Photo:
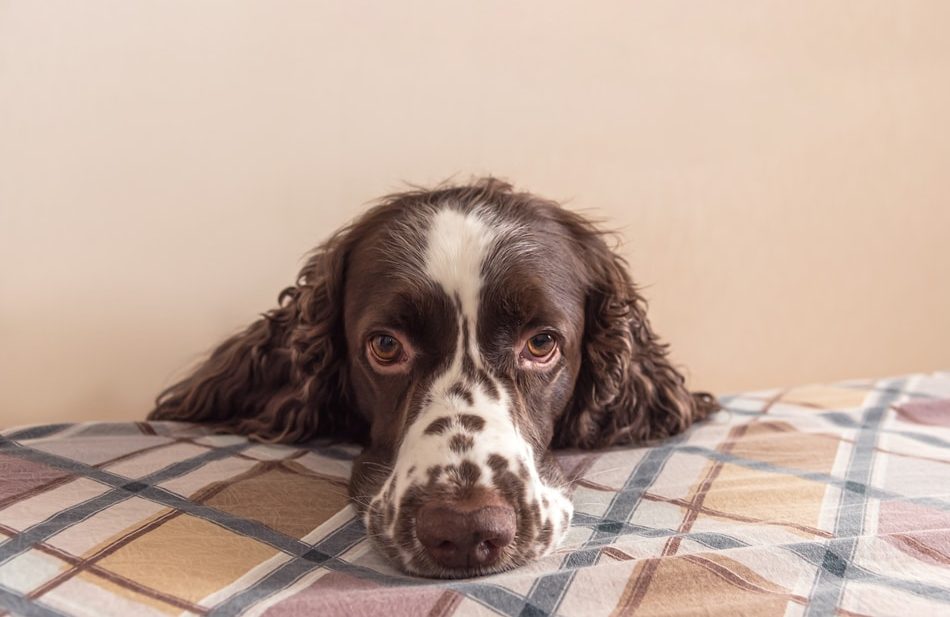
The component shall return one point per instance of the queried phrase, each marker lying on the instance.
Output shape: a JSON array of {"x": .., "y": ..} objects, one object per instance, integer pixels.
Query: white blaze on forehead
[{"x": 457, "y": 245}]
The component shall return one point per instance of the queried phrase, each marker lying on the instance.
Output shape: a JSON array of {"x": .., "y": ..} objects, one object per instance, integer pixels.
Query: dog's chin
[
  {"x": 432, "y": 570},
  {"x": 422, "y": 566}
]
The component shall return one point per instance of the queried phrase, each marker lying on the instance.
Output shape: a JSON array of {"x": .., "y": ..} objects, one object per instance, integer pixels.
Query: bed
[{"x": 814, "y": 500}]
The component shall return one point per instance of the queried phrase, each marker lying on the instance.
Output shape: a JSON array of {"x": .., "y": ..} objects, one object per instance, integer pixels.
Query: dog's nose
[{"x": 466, "y": 534}]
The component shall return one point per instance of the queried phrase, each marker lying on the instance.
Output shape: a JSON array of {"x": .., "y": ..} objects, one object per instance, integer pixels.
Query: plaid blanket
[{"x": 814, "y": 500}]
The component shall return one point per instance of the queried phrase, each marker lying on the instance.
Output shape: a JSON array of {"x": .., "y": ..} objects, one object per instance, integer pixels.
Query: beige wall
[{"x": 780, "y": 170}]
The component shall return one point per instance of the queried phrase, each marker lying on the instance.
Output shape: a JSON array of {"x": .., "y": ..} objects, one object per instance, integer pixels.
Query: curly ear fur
[
  {"x": 283, "y": 379},
  {"x": 627, "y": 391}
]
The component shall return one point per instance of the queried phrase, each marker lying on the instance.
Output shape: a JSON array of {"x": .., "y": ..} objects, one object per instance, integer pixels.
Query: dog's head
[{"x": 460, "y": 334}]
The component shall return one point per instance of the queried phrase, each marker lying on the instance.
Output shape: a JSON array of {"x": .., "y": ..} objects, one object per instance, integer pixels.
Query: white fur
[{"x": 456, "y": 246}]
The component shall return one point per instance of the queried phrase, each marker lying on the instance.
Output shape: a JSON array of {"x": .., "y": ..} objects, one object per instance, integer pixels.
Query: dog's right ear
[{"x": 284, "y": 378}]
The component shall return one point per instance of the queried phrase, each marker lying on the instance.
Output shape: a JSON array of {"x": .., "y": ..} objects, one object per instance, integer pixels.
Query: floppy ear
[
  {"x": 282, "y": 379},
  {"x": 627, "y": 390}
]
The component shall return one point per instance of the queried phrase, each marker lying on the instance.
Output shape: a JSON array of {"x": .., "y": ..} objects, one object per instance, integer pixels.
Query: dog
[{"x": 460, "y": 334}]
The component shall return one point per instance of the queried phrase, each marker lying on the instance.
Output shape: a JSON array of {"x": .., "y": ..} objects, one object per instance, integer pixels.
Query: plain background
[{"x": 779, "y": 170}]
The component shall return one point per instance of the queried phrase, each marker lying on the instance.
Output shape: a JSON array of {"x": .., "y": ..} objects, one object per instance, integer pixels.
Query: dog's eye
[
  {"x": 385, "y": 348},
  {"x": 541, "y": 346}
]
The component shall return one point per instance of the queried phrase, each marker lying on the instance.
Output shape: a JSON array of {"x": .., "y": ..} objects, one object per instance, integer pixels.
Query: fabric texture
[{"x": 814, "y": 500}]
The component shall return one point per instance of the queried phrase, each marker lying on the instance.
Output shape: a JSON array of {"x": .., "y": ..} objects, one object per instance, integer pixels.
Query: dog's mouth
[{"x": 426, "y": 567}]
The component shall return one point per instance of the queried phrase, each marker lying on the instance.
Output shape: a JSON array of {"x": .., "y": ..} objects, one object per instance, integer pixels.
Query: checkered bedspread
[{"x": 815, "y": 500}]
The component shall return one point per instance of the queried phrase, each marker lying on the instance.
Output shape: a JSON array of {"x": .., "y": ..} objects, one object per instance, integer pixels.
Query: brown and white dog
[{"x": 460, "y": 334}]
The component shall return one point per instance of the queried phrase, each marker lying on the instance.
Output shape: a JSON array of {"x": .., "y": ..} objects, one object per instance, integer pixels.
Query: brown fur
[{"x": 628, "y": 391}]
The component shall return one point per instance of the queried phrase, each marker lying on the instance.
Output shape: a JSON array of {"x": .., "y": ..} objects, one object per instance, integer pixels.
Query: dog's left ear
[{"x": 627, "y": 390}]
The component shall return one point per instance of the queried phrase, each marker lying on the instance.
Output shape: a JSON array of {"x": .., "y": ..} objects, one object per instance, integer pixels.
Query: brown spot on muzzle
[
  {"x": 513, "y": 488},
  {"x": 471, "y": 422},
  {"x": 463, "y": 393},
  {"x": 439, "y": 426},
  {"x": 465, "y": 475},
  {"x": 498, "y": 464},
  {"x": 461, "y": 443}
]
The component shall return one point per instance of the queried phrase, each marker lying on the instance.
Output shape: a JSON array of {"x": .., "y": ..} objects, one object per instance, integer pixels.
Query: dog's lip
[{"x": 507, "y": 563}]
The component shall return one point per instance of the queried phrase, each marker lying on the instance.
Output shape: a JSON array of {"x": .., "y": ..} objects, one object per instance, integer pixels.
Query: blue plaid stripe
[
  {"x": 18, "y": 604},
  {"x": 828, "y": 586},
  {"x": 123, "y": 488},
  {"x": 548, "y": 591}
]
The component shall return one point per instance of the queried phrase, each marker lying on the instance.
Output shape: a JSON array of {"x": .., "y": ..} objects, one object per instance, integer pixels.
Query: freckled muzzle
[{"x": 474, "y": 517}]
